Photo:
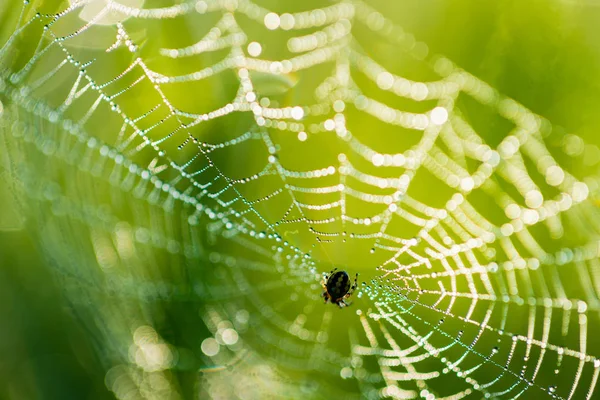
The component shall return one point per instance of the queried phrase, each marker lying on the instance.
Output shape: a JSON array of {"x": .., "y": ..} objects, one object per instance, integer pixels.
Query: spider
[{"x": 336, "y": 287}]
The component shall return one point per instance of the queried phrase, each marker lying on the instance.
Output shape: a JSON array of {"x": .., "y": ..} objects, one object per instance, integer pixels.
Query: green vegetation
[{"x": 174, "y": 182}]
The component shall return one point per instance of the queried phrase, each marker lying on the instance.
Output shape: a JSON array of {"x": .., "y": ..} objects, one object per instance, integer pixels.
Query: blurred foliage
[{"x": 544, "y": 54}]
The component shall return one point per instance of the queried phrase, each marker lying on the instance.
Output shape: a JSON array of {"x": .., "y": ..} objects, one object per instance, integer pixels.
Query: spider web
[{"x": 166, "y": 174}]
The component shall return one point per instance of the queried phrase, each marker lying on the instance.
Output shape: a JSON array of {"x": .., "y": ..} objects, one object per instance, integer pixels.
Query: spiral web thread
[{"x": 464, "y": 299}]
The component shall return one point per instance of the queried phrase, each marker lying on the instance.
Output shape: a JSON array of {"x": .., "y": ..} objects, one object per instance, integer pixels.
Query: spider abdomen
[{"x": 338, "y": 285}]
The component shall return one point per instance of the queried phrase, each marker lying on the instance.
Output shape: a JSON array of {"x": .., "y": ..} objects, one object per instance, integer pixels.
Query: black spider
[{"x": 336, "y": 287}]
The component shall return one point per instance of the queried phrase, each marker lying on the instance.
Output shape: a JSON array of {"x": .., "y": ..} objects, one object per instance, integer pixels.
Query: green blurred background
[{"x": 63, "y": 322}]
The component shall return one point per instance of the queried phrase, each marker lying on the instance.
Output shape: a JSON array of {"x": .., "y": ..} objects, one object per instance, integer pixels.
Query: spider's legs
[
  {"x": 326, "y": 276},
  {"x": 355, "y": 285},
  {"x": 342, "y": 304}
]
